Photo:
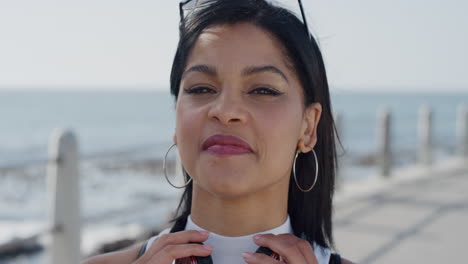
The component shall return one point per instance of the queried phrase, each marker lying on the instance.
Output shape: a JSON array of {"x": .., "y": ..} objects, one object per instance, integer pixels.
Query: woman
[{"x": 255, "y": 133}]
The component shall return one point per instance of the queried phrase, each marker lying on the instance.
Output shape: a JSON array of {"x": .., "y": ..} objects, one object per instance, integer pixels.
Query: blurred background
[{"x": 101, "y": 69}]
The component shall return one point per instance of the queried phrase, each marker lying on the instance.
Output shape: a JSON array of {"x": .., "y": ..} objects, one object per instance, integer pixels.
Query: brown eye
[
  {"x": 199, "y": 90},
  {"x": 266, "y": 91}
]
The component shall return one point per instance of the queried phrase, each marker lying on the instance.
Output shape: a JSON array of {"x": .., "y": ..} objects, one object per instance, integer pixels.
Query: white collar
[{"x": 229, "y": 249}]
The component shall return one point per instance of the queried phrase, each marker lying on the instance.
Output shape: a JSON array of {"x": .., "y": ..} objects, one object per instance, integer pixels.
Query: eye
[
  {"x": 266, "y": 91},
  {"x": 199, "y": 90}
]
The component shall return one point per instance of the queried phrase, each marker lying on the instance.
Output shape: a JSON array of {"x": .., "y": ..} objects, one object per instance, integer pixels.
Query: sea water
[
  {"x": 121, "y": 135},
  {"x": 107, "y": 123}
]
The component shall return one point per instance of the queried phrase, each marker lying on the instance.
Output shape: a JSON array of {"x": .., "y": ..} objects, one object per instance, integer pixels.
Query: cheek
[
  {"x": 279, "y": 136},
  {"x": 283, "y": 122},
  {"x": 189, "y": 116},
  {"x": 188, "y": 127}
]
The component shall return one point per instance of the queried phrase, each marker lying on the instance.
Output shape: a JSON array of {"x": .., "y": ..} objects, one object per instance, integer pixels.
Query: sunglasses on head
[{"x": 189, "y": 6}]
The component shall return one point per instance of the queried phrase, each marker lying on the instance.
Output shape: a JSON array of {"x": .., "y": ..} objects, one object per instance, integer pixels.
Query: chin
[{"x": 226, "y": 185}]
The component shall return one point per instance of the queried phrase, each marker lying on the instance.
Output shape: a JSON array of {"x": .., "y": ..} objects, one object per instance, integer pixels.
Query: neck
[{"x": 240, "y": 216}]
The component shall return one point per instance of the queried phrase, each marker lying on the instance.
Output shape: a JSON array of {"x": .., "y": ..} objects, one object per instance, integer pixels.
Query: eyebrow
[
  {"x": 265, "y": 68},
  {"x": 210, "y": 70},
  {"x": 202, "y": 68}
]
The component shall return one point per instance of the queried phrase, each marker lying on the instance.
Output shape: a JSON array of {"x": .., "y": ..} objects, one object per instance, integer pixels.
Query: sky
[{"x": 372, "y": 45}]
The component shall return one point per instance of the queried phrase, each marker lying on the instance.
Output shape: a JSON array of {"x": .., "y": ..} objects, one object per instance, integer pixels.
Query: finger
[
  {"x": 182, "y": 237},
  {"x": 285, "y": 245},
  {"x": 307, "y": 251},
  {"x": 302, "y": 245},
  {"x": 253, "y": 258},
  {"x": 172, "y": 252}
]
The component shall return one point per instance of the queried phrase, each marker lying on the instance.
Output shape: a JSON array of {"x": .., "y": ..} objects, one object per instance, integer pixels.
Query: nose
[{"x": 228, "y": 109}]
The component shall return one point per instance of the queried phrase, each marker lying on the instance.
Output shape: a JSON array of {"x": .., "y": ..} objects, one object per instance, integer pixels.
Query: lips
[{"x": 226, "y": 145}]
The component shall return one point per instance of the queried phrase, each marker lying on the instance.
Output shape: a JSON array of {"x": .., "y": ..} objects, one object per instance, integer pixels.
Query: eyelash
[
  {"x": 199, "y": 90},
  {"x": 269, "y": 91}
]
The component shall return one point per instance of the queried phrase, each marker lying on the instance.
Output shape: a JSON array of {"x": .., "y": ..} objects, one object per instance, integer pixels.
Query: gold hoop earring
[
  {"x": 316, "y": 172},
  {"x": 165, "y": 173}
]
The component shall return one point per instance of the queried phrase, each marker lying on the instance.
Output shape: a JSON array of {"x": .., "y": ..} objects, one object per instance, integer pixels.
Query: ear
[{"x": 308, "y": 136}]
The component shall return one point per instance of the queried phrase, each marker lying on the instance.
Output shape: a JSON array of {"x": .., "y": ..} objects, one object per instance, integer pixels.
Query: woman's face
[{"x": 241, "y": 85}]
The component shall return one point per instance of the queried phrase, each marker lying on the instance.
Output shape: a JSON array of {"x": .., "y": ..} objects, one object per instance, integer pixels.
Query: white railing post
[
  {"x": 462, "y": 131},
  {"x": 339, "y": 130},
  {"x": 64, "y": 198},
  {"x": 425, "y": 135},
  {"x": 384, "y": 157}
]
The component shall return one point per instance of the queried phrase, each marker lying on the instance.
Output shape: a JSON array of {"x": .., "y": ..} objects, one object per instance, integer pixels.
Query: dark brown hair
[{"x": 310, "y": 212}]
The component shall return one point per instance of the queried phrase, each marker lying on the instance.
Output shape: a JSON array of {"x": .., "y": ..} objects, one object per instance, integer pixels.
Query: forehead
[{"x": 241, "y": 43}]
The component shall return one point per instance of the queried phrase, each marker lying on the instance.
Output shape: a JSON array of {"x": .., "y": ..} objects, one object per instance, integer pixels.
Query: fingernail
[
  {"x": 247, "y": 255},
  {"x": 257, "y": 237},
  {"x": 208, "y": 247},
  {"x": 204, "y": 233}
]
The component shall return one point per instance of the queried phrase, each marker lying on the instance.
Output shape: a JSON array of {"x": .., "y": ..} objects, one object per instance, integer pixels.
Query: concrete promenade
[{"x": 420, "y": 215}]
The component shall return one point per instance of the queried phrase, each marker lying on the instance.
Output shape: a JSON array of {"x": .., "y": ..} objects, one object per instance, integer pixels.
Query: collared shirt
[{"x": 228, "y": 250}]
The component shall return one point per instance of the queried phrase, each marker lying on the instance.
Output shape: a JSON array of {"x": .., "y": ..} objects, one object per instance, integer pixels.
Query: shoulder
[
  {"x": 335, "y": 258},
  {"x": 345, "y": 261},
  {"x": 340, "y": 260},
  {"x": 123, "y": 256},
  {"x": 118, "y": 257}
]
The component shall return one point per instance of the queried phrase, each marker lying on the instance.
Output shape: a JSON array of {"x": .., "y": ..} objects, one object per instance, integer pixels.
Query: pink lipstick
[{"x": 224, "y": 145}]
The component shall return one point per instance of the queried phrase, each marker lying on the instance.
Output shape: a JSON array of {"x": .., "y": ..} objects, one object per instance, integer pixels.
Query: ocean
[
  {"x": 123, "y": 135},
  {"x": 107, "y": 123}
]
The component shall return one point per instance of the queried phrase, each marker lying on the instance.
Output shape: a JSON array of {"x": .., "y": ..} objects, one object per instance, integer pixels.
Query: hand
[
  {"x": 291, "y": 249},
  {"x": 169, "y": 247}
]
